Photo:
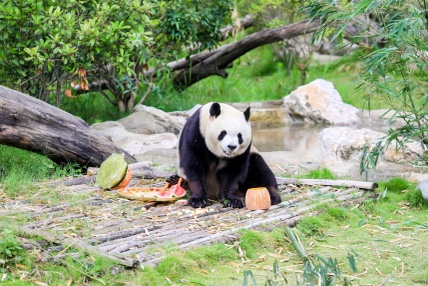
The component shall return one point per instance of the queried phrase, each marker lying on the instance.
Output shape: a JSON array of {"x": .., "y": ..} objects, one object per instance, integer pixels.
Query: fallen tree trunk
[{"x": 31, "y": 124}]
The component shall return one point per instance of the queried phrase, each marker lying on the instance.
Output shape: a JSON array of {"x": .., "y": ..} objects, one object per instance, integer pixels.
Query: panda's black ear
[
  {"x": 247, "y": 113},
  {"x": 215, "y": 109}
]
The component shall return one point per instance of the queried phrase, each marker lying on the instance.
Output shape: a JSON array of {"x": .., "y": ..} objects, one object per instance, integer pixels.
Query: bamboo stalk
[
  {"x": 47, "y": 222},
  {"x": 336, "y": 183},
  {"x": 78, "y": 244}
]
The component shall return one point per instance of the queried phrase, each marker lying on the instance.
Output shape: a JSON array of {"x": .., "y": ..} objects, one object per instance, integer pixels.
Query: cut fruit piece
[
  {"x": 112, "y": 171},
  {"x": 257, "y": 199},
  {"x": 164, "y": 193},
  {"x": 144, "y": 194},
  {"x": 177, "y": 190},
  {"x": 125, "y": 182}
]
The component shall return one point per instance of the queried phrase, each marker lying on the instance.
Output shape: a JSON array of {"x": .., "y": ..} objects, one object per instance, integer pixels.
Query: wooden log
[
  {"x": 336, "y": 183},
  {"x": 31, "y": 124}
]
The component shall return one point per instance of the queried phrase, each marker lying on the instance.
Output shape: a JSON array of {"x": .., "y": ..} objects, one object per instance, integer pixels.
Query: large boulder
[
  {"x": 150, "y": 120},
  {"x": 341, "y": 150},
  {"x": 320, "y": 103},
  {"x": 133, "y": 143}
]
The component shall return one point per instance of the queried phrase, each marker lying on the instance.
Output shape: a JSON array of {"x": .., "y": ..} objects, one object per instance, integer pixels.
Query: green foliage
[
  {"x": 19, "y": 169},
  {"x": 275, "y": 279},
  {"x": 396, "y": 185},
  {"x": 415, "y": 199},
  {"x": 252, "y": 241},
  {"x": 47, "y": 44},
  {"x": 172, "y": 267},
  {"x": 256, "y": 76},
  {"x": 311, "y": 226},
  {"x": 10, "y": 249},
  {"x": 337, "y": 213},
  {"x": 318, "y": 270},
  {"x": 322, "y": 173},
  {"x": 395, "y": 64},
  {"x": 206, "y": 256}
]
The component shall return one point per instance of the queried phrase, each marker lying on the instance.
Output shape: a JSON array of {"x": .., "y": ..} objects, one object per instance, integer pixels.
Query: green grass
[{"x": 20, "y": 169}]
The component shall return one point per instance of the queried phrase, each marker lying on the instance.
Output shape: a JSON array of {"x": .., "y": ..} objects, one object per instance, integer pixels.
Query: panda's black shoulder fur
[{"x": 191, "y": 140}]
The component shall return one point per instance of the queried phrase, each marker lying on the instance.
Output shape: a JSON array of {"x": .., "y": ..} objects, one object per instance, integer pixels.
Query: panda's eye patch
[
  {"x": 221, "y": 135},
  {"x": 240, "y": 140}
]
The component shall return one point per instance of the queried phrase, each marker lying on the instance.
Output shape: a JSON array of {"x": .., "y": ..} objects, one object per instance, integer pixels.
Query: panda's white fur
[
  {"x": 216, "y": 157},
  {"x": 233, "y": 123}
]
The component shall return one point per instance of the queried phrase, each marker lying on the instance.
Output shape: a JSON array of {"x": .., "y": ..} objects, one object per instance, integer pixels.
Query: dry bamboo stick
[
  {"x": 46, "y": 222},
  {"x": 120, "y": 234},
  {"x": 80, "y": 245},
  {"x": 337, "y": 183},
  {"x": 69, "y": 182}
]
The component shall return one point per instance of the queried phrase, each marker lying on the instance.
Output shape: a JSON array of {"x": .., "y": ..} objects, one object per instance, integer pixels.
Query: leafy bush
[
  {"x": 10, "y": 249},
  {"x": 48, "y": 46}
]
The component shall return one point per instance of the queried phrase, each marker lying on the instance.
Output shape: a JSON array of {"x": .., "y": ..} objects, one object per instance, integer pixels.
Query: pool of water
[{"x": 297, "y": 138}]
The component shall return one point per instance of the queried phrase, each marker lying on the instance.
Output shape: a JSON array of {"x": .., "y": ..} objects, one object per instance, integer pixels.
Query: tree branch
[{"x": 215, "y": 62}]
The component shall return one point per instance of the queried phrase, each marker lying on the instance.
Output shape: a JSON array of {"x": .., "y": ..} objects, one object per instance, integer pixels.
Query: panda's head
[{"x": 227, "y": 131}]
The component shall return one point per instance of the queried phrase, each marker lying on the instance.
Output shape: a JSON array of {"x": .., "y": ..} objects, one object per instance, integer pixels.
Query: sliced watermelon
[
  {"x": 177, "y": 191},
  {"x": 165, "y": 192},
  {"x": 174, "y": 191}
]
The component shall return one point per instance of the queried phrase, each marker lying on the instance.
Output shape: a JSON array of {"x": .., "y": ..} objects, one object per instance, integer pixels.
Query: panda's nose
[{"x": 231, "y": 147}]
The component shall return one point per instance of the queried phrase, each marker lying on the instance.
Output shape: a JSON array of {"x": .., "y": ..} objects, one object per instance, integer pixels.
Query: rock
[
  {"x": 341, "y": 150},
  {"x": 319, "y": 103},
  {"x": 423, "y": 188},
  {"x": 160, "y": 156},
  {"x": 379, "y": 119},
  {"x": 268, "y": 117},
  {"x": 135, "y": 144},
  {"x": 150, "y": 120}
]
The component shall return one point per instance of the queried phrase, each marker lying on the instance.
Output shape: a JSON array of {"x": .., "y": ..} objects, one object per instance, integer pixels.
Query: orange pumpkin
[
  {"x": 257, "y": 199},
  {"x": 125, "y": 180}
]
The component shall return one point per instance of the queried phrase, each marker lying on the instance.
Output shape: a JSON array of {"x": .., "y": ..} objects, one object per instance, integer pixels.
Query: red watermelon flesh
[
  {"x": 177, "y": 190},
  {"x": 164, "y": 193}
]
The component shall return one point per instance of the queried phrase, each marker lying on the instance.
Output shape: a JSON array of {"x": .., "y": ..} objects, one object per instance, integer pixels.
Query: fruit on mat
[{"x": 112, "y": 171}]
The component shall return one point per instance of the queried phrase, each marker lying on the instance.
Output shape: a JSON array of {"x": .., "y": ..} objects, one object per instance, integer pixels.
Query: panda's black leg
[
  {"x": 232, "y": 198},
  {"x": 198, "y": 197},
  {"x": 234, "y": 203}
]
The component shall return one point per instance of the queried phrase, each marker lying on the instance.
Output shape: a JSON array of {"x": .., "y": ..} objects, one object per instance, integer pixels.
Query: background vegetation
[{"x": 39, "y": 56}]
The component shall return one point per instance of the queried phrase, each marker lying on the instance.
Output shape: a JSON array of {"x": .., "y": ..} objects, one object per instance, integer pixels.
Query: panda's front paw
[
  {"x": 234, "y": 203},
  {"x": 197, "y": 203}
]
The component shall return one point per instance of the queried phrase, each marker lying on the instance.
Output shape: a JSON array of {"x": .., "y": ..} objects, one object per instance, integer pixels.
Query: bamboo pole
[
  {"x": 336, "y": 183},
  {"x": 78, "y": 244}
]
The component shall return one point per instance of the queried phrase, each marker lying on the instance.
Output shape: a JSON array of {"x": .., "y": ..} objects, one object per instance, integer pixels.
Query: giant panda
[{"x": 216, "y": 160}]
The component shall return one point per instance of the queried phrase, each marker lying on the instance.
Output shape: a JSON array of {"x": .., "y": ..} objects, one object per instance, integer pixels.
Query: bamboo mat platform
[{"x": 135, "y": 233}]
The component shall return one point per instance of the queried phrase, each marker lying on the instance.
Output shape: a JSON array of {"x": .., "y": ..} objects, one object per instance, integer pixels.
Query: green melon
[{"x": 112, "y": 171}]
